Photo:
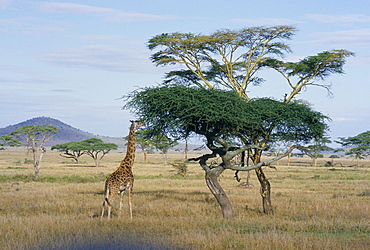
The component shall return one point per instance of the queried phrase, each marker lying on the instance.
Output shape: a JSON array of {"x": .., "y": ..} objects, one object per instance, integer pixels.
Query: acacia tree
[
  {"x": 9, "y": 140},
  {"x": 231, "y": 59},
  {"x": 228, "y": 124},
  {"x": 34, "y": 138},
  {"x": 359, "y": 146},
  {"x": 314, "y": 150},
  {"x": 163, "y": 143},
  {"x": 73, "y": 150},
  {"x": 97, "y": 149}
]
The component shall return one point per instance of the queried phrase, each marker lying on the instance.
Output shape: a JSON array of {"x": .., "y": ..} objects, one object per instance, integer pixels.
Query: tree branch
[{"x": 267, "y": 163}]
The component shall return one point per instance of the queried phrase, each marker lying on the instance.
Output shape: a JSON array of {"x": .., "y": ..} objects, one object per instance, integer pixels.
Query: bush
[
  {"x": 182, "y": 168},
  {"x": 329, "y": 164},
  {"x": 364, "y": 193},
  {"x": 334, "y": 156}
]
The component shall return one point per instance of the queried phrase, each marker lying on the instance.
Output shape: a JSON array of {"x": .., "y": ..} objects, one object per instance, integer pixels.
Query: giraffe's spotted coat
[{"x": 122, "y": 179}]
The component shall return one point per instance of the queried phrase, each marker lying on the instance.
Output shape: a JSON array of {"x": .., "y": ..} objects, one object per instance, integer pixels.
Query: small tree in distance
[
  {"x": 97, "y": 149},
  {"x": 73, "y": 150},
  {"x": 93, "y": 147},
  {"x": 314, "y": 150},
  {"x": 33, "y": 138},
  {"x": 163, "y": 143},
  {"x": 357, "y": 146}
]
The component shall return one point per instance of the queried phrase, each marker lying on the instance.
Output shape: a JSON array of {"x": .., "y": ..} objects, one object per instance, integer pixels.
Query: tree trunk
[
  {"x": 315, "y": 162},
  {"x": 37, "y": 170},
  {"x": 186, "y": 149},
  {"x": 219, "y": 193},
  {"x": 97, "y": 162},
  {"x": 145, "y": 156},
  {"x": 164, "y": 155},
  {"x": 37, "y": 163},
  {"x": 265, "y": 191}
]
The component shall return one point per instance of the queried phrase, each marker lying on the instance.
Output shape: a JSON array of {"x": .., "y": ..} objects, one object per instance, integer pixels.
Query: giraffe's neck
[{"x": 130, "y": 153}]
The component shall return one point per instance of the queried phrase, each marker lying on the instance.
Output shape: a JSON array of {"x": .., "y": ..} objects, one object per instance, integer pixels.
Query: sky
[{"x": 73, "y": 60}]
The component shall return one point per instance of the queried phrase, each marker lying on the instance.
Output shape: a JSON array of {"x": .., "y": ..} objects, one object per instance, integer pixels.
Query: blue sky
[{"x": 72, "y": 60}]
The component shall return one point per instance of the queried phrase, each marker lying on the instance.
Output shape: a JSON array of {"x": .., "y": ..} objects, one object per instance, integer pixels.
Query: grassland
[{"x": 315, "y": 207}]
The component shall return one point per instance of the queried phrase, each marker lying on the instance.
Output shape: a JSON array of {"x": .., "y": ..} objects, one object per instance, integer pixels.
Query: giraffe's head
[{"x": 137, "y": 124}]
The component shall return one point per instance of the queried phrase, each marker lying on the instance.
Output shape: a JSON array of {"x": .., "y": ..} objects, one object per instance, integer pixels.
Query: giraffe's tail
[
  {"x": 106, "y": 195},
  {"x": 106, "y": 201}
]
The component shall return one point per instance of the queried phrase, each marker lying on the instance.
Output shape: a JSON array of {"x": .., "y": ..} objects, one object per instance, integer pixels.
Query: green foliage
[
  {"x": 27, "y": 161},
  {"x": 334, "y": 156},
  {"x": 73, "y": 149},
  {"x": 34, "y": 136},
  {"x": 328, "y": 164},
  {"x": 93, "y": 147},
  {"x": 307, "y": 71},
  {"x": 319, "y": 146},
  {"x": 318, "y": 66},
  {"x": 232, "y": 58},
  {"x": 179, "y": 110},
  {"x": 359, "y": 145},
  {"x": 9, "y": 140},
  {"x": 182, "y": 168},
  {"x": 229, "y": 58},
  {"x": 97, "y": 149}
]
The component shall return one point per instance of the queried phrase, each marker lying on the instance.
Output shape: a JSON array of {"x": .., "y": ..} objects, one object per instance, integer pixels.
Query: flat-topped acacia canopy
[{"x": 177, "y": 110}]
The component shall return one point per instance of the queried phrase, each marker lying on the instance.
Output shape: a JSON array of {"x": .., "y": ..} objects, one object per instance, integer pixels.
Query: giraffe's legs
[
  {"x": 109, "y": 210},
  {"x": 121, "y": 202},
  {"x": 130, "y": 201},
  {"x": 102, "y": 211}
]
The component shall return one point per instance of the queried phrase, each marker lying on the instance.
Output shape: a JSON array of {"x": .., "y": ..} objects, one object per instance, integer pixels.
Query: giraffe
[{"x": 122, "y": 178}]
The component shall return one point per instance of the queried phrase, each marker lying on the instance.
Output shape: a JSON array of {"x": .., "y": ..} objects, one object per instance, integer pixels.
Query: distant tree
[
  {"x": 334, "y": 156},
  {"x": 73, "y": 150},
  {"x": 276, "y": 150},
  {"x": 97, "y": 149},
  {"x": 163, "y": 143},
  {"x": 319, "y": 146},
  {"x": 357, "y": 146},
  {"x": 33, "y": 138}
]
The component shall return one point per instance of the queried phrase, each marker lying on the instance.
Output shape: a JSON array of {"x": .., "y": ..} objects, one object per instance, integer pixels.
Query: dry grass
[{"x": 315, "y": 208}]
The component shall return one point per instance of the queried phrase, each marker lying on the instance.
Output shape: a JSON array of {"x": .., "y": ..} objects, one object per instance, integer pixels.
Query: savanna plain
[{"x": 323, "y": 207}]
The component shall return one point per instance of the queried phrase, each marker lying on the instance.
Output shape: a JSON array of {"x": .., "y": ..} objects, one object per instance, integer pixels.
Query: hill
[{"x": 67, "y": 132}]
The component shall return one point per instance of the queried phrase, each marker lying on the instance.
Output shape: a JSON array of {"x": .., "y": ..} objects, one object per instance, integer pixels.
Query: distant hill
[{"x": 67, "y": 132}]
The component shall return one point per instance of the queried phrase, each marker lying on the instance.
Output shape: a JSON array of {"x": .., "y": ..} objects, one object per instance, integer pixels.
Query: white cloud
[
  {"x": 14, "y": 74},
  {"x": 5, "y": 3},
  {"x": 357, "y": 18},
  {"x": 22, "y": 21},
  {"x": 103, "y": 57},
  {"x": 343, "y": 119},
  {"x": 359, "y": 37},
  {"x": 267, "y": 21},
  {"x": 107, "y": 13}
]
